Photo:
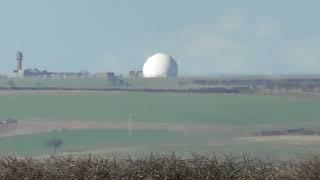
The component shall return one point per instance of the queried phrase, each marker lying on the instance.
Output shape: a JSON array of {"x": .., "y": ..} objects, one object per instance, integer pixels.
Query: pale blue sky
[{"x": 205, "y": 36}]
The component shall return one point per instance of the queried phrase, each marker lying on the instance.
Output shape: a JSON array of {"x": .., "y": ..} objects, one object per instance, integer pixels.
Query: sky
[{"x": 205, "y": 37}]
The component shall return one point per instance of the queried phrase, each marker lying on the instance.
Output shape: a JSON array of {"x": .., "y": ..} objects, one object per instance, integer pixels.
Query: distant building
[
  {"x": 139, "y": 73},
  {"x": 19, "y": 57},
  {"x": 18, "y": 72},
  {"x": 135, "y": 74},
  {"x": 111, "y": 76},
  {"x": 132, "y": 74},
  {"x": 46, "y": 74},
  {"x": 84, "y": 74},
  {"x": 160, "y": 65},
  {"x": 69, "y": 74},
  {"x": 107, "y": 75},
  {"x": 34, "y": 73}
]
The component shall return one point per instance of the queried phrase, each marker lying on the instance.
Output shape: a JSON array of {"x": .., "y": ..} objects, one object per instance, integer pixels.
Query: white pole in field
[{"x": 129, "y": 126}]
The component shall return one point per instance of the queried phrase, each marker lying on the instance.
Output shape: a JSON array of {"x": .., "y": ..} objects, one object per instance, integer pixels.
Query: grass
[
  {"x": 100, "y": 141},
  {"x": 240, "y": 114},
  {"x": 86, "y": 140},
  {"x": 159, "y": 107}
]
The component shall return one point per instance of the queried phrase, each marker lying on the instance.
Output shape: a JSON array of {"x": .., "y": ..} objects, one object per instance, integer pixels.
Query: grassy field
[
  {"x": 240, "y": 115},
  {"x": 88, "y": 140},
  {"x": 142, "y": 142},
  {"x": 160, "y": 107}
]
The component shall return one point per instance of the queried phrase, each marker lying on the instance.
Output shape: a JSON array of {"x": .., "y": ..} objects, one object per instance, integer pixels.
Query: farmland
[
  {"x": 162, "y": 122},
  {"x": 160, "y": 107}
]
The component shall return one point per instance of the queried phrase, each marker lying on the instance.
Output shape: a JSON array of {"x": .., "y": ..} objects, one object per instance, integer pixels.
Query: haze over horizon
[{"x": 211, "y": 37}]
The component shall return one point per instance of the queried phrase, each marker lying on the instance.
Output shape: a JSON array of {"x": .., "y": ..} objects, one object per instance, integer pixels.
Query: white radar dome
[{"x": 160, "y": 65}]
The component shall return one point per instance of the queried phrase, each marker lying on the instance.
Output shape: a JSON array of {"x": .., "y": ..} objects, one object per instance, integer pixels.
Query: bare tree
[{"x": 54, "y": 143}]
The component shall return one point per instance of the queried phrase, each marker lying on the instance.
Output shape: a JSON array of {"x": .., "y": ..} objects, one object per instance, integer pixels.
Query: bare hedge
[{"x": 158, "y": 167}]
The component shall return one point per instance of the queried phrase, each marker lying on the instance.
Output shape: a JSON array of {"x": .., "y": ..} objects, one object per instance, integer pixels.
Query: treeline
[
  {"x": 246, "y": 86},
  {"x": 295, "y": 131},
  {"x": 169, "y": 167},
  {"x": 156, "y": 90},
  {"x": 292, "y": 83}
]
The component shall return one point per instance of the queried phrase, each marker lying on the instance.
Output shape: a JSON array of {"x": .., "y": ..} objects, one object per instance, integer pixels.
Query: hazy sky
[{"x": 205, "y": 36}]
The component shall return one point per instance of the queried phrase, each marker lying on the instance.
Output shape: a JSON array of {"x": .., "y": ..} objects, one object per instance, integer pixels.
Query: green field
[
  {"x": 241, "y": 115},
  {"x": 160, "y": 107},
  {"x": 104, "y": 141},
  {"x": 82, "y": 140}
]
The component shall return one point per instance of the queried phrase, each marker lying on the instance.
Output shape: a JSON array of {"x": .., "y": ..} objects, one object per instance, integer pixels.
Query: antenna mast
[{"x": 129, "y": 125}]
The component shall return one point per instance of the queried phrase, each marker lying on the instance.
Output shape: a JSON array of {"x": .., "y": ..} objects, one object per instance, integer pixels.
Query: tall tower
[{"x": 19, "y": 57}]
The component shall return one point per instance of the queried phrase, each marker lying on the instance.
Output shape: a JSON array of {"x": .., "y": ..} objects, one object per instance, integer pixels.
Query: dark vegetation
[
  {"x": 182, "y": 85},
  {"x": 293, "y": 131},
  {"x": 54, "y": 143},
  {"x": 303, "y": 83},
  {"x": 159, "y": 167},
  {"x": 156, "y": 90},
  {"x": 289, "y": 83}
]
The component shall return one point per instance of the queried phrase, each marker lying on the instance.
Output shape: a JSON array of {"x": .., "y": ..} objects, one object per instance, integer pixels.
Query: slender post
[{"x": 129, "y": 126}]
